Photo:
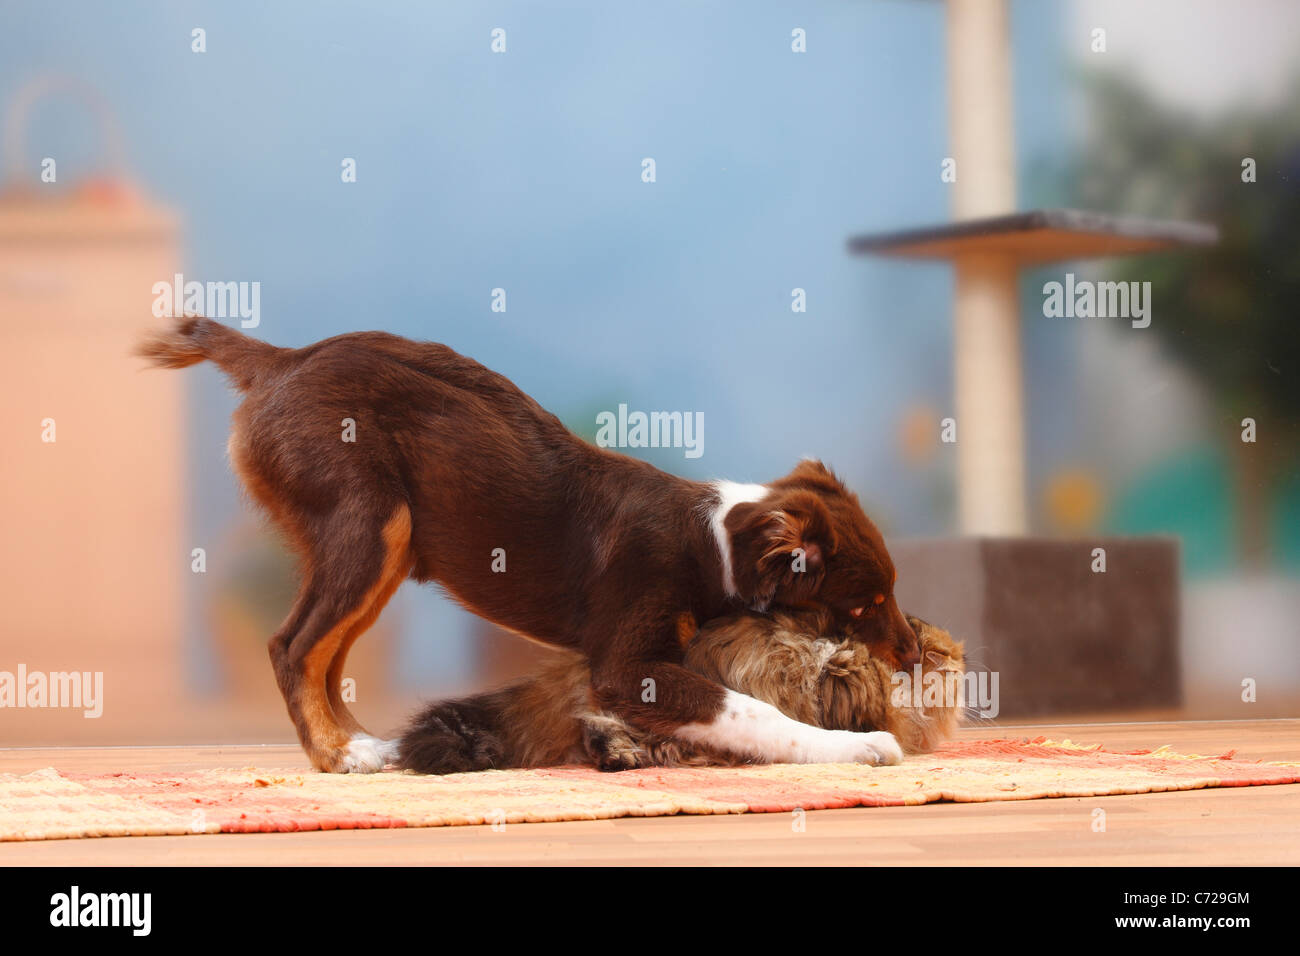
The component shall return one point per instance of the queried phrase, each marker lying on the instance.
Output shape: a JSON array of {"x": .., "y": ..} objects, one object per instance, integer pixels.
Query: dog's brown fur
[
  {"x": 796, "y": 661},
  {"x": 606, "y": 554}
]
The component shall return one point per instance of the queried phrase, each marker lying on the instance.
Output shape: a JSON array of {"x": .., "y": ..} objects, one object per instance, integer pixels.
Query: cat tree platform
[
  {"x": 1038, "y": 237},
  {"x": 987, "y": 254}
]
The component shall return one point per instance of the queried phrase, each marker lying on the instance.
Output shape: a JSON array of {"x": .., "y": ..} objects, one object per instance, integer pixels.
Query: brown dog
[{"x": 451, "y": 466}]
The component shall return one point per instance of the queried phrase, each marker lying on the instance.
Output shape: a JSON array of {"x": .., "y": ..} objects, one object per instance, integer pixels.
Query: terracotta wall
[{"x": 91, "y": 552}]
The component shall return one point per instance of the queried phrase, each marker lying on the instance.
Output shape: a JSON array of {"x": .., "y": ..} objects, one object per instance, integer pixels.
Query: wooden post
[
  {"x": 980, "y": 120},
  {"x": 987, "y": 386}
]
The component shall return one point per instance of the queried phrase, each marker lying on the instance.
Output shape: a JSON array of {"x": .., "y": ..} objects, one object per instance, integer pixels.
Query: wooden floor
[{"x": 1239, "y": 826}]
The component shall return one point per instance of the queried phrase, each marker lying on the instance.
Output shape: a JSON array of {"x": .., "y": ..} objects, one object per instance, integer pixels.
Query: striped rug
[{"x": 51, "y": 805}]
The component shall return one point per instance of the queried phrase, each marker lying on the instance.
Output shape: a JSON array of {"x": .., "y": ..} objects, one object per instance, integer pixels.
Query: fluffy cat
[{"x": 785, "y": 658}]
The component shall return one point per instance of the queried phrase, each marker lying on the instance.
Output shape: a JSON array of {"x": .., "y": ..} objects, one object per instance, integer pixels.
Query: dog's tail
[
  {"x": 193, "y": 339},
  {"x": 456, "y": 736}
]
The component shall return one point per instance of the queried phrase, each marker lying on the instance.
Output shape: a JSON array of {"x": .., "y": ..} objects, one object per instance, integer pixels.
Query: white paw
[
  {"x": 884, "y": 746},
  {"x": 366, "y": 754},
  {"x": 877, "y": 749}
]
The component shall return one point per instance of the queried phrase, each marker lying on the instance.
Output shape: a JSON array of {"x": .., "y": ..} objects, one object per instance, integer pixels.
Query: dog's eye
[{"x": 868, "y": 609}]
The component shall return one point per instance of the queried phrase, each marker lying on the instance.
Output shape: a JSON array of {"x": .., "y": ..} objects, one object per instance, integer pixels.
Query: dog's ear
[
  {"x": 811, "y": 467},
  {"x": 811, "y": 473},
  {"x": 780, "y": 547}
]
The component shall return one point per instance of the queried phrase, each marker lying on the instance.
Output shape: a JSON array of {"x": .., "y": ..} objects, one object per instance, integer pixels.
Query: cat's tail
[
  {"x": 456, "y": 736},
  {"x": 535, "y": 722}
]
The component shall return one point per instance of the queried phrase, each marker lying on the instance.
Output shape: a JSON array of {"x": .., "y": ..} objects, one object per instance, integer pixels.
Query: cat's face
[
  {"x": 934, "y": 709},
  {"x": 939, "y": 650}
]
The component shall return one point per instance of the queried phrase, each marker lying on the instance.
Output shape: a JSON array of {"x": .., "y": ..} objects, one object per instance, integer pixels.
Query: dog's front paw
[
  {"x": 876, "y": 749},
  {"x": 880, "y": 749}
]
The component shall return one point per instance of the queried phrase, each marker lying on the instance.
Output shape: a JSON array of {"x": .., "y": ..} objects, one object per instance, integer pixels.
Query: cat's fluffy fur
[{"x": 793, "y": 660}]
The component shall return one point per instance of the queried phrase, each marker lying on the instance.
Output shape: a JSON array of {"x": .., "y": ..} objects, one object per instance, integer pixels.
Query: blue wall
[{"x": 522, "y": 171}]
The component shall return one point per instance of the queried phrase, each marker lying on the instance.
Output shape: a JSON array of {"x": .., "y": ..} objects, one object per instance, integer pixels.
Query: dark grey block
[{"x": 1063, "y": 638}]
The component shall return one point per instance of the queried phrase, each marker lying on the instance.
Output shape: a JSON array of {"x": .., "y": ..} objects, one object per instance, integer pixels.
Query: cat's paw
[
  {"x": 621, "y": 758},
  {"x": 610, "y": 745}
]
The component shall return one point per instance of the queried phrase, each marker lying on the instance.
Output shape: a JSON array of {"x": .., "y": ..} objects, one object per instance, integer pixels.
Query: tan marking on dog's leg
[
  {"x": 325, "y": 738},
  {"x": 397, "y": 565},
  {"x": 686, "y": 627}
]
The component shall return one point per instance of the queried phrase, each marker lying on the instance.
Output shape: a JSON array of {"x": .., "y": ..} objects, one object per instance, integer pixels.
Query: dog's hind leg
[
  {"x": 356, "y": 561},
  {"x": 397, "y": 536}
]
